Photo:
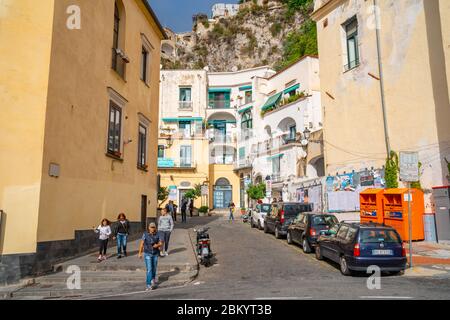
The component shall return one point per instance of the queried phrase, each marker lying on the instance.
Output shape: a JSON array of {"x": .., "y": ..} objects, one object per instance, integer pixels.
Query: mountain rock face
[{"x": 256, "y": 36}]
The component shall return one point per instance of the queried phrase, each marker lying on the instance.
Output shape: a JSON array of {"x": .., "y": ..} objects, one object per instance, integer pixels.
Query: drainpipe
[{"x": 380, "y": 70}]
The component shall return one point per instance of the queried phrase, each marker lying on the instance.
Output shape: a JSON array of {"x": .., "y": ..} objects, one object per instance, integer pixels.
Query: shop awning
[
  {"x": 245, "y": 88},
  {"x": 293, "y": 88},
  {"x": 275, "y": 156},
  {"x": 212, "y": 90},
  {"x": 212, "y": 122},
  {"x": 245, "y": 109},
  {"x": 273, "y": 100},
  {"x": 182, "y": 119}
]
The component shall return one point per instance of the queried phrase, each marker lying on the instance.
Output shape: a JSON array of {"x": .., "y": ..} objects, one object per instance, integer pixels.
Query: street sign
[
  {"x": 409, "y": 166},
  {"x": 173, "y": 193}
]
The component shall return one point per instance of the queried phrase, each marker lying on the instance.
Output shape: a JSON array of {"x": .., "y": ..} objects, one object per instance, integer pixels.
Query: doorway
[{"x": 223, "y": 194}]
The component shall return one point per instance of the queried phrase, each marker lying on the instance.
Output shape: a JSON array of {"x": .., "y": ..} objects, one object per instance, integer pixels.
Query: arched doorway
[{"x": 223, "y": 193}]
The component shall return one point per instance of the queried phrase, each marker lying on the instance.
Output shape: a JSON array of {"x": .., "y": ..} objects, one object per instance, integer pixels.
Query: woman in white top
[{"x": 104, "y": 231}]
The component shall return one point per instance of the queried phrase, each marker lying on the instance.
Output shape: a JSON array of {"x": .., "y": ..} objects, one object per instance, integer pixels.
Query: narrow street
[{"x": 253, "y": 265}]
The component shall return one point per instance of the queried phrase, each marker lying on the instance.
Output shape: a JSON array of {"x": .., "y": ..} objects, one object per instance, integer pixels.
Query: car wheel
[
  {"x": 344, "y": 267},
  {"x": 266, "y": 230},
  {"x": 277, "y": 233},
  {"x": 252, "y": 225},
  {"x": 305, "y": 245},
  {"x": 289, "y": 237},
  {"x": 319, "y": 255},
  {"x": 259, "y": 225}
]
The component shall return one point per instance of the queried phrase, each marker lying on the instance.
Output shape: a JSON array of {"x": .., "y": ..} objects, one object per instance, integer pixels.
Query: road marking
[
  {"x": 129, "y": 293},
  {"x": 384, "y": 297},
  {"x": 283, "y": 298}
]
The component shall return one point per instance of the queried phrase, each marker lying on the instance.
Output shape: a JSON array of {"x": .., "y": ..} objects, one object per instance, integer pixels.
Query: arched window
[
  {"x": 247, "y": 120},
  {"x": 222, "y": 182}
]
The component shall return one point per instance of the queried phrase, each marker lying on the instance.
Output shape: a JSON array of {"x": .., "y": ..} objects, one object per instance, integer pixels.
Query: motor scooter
[{"x": 203, "y": 246}]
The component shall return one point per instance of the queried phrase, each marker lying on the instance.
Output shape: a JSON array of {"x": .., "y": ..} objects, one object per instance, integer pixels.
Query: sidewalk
[
  {"x": 429, "y": 259},
  {"x": 114, "y": 275}
]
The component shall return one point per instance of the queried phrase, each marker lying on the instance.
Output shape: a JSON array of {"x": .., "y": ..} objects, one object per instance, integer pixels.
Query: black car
[
  {"x": 281, "y": 216},
  {"x": 356, "y": 246},
  {"x": 306, "y": 228}
]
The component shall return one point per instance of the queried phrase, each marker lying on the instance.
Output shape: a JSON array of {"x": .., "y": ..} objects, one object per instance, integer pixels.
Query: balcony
[
  {"x": 243, "y": 164},
  {"x": 171, "y": 164},
  {"x": 185, "y": 105},
  {"x": 274, "y": 144}
]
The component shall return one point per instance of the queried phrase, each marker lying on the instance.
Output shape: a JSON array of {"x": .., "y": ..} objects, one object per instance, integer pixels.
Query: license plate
[
  {"x": 205, "y": 251},
  {"x": 382, "y": 252}
]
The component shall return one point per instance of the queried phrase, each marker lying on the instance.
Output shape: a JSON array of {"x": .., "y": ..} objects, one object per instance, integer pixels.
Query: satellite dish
[{"x": 304, "y": 142}]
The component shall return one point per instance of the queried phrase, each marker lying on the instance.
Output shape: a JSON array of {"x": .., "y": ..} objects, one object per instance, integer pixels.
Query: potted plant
[{"x": 203, "y": 210}]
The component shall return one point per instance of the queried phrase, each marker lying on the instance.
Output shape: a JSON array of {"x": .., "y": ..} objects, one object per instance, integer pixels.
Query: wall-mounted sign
[
  {"x": 409, "y": 166},
  {"x": 173, "y": 193},
  {"x": 185, "y": 184}
]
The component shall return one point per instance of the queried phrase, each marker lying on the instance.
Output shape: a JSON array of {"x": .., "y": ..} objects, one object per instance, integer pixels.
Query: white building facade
[{"x": 220, "y": 10}]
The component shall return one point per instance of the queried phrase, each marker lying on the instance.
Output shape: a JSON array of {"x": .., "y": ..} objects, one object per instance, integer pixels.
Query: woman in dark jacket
[{"x": 121, "y": 231}]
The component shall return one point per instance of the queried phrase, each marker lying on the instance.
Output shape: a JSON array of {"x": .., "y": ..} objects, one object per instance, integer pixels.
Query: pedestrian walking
[
  {"x": 121, "y": 232},
  {"x": 104, "y": 231},
  {"x": 149, "y": 249},
  {"x": 170, "y": 207},
  {"x": 165, "y": 228},
  {"x": 175, "y": 211},
  {"x": 191, "y": 207},
  {"x": 183, "y": 210},
  {"x": 232, "y": 208}
]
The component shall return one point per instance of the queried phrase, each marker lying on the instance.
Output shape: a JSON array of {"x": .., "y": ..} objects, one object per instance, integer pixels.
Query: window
[
  {"x": 248, "y": 96},
  {"x": 276, "y": 167},
  {"x": 161, "y": 151},
  {"x": 242, "y": 153},
  {"x": 292, "y": 132},
  {"x": 247, "y": 120},
  {"x": 185, "y": 98},
  {"x": 144, "y": 64},
  {"x": 185, "y": 128},
  {"x": 351, "y": 234},
  {"x": 118, "y": 63},
  {"x": 185, "y": 94},
  {"x": 114, "y": 129},
  {"x": 219, "y": 100},
  {"x": 342, "y": 233},
  {"x": 185, "y": 156},
  {"x": 142, "y": 146},
  {"x": 351, "y": 32}
]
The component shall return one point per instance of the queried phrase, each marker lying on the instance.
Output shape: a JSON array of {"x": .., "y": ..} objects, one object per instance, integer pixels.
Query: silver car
[{"x": 258, "y": 214}]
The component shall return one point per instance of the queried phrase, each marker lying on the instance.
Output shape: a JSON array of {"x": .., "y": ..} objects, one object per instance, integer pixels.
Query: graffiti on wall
[{"x": 343, "y": 190}]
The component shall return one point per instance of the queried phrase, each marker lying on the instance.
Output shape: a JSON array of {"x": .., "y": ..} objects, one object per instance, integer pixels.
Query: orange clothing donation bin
[
  {"x": 396, "y": 212},
  {"x": 371, "y": 205}
]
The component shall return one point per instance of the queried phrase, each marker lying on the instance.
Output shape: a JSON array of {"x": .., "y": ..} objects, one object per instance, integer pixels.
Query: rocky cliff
[{"x": 272, "y": 33}]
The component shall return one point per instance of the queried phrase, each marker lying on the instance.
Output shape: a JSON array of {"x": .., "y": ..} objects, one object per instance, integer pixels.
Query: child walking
[{"x": 104, "y": 231}]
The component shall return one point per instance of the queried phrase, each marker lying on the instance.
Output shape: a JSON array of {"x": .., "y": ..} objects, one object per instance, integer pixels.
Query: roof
[
  {"x": 293, "y": 64},
  {"x": 155, "y": 18}
]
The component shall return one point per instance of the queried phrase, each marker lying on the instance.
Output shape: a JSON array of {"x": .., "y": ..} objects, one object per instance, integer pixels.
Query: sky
[{"x": 177, "y": 14}]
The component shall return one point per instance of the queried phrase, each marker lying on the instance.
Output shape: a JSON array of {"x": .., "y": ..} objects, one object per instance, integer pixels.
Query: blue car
[{"x": 356, "y": 246}]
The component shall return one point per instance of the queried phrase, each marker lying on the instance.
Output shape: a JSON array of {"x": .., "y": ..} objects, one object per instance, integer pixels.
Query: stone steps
[{"x": 93, "y": 283}]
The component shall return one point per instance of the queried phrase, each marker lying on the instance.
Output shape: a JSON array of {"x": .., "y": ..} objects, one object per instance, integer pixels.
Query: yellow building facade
[
  {"x": 79, "y": 85},
  {"x": 412, "y": 84}
]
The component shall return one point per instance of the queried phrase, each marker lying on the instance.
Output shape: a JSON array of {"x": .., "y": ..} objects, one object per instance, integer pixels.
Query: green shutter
[{"x": 242, "y": 153}]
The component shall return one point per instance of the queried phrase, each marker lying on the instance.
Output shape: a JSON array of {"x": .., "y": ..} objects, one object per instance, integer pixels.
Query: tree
[
  {"x": 391, "y": 171},
  {"x": 163, "y": 195},
  {"x": 194, "y": 193},
  {"x": 256, "y": 192}
]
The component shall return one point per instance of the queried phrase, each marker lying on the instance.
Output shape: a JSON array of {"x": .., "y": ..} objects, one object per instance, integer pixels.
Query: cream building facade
[
  {"x": 414, "y": 52},
  {"x": 79, "y": 84},
  {"x": 199, "y": 131}
]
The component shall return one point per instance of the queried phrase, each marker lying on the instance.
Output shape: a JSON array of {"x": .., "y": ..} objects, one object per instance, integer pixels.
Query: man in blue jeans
[{"x": 150, "y": 245}]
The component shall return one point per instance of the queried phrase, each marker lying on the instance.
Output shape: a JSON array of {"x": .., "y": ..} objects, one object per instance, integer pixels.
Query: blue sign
[
  {"x": 396, "y": 214},
  {"x": 166, "y": 163}
]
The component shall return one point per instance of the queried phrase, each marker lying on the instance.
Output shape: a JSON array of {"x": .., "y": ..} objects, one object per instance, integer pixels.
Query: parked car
[
  {"x": 306, "y": 228},
  {"x": 258, "y": 214},
  {"x": 282, "y": 215},
  {"x": 356, "y": 246}
]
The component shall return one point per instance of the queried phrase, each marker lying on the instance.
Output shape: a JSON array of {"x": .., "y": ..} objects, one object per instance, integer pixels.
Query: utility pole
[{"x": 380, "y": 71}]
